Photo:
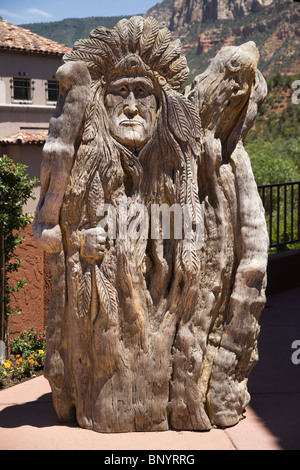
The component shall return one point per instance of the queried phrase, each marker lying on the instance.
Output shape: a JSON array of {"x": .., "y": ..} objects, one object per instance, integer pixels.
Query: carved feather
[
  {"x": 107, "y": 296},
  {"x": 148, "y": 37},
  {"x": 192, "y": 197},
  {"x": 106, "y": 35},
  {"x": 160, "y": 45},
  {"x": 84, "y": 294},
  {"x": 177, "y": 119},
  {"x": 93, "y": 62},
  {"x": 192, "y": 117},
  {"x": 179, "y": 65},
  {"x": 183, "y": 187},
  {"x": 189, "y": 199},
  {"x": 189, "y": 257},
  {"x": 101, "y": 33},
  {"x": 189, "y": 246},
  {"x": 177, "y": 81},
  {"x": 121, "y": 29},
  {"x": 135, "y": 29},
  {"x": 173, "y": 51},
  {"x": 182, "y": 117},
  {"x": 96, "y": 48},
  {"x": 93, "y": 114},
  {"x": 95, "y": 199}
]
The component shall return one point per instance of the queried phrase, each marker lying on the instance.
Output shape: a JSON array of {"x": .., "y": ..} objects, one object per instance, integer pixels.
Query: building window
[
  {"x": 21, "y": 88},
  {"x": 52, "y": 90}
]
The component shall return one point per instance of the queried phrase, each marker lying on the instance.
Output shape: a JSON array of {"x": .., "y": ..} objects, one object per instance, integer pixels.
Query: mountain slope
[
  {"x": 205, "y": 26},
  {"x": 69, "y": 30},
  {"x": 275, "y": 30}
]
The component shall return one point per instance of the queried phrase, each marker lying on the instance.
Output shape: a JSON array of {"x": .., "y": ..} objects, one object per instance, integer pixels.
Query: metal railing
[{"x": 282, "y": 207}]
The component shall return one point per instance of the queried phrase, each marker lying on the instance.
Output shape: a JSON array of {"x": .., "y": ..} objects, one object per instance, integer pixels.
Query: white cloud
[
  {"x": 35, "y": 11},
  {"x": 9, "y": 14}
]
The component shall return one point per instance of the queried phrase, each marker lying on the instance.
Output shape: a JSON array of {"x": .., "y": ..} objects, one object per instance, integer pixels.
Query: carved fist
[
  {"x": 93, "y": 243},
  {"x": 48, "y": 237}
]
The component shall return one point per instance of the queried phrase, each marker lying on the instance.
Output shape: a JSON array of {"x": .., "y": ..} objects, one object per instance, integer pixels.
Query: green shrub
[
  {"x": 27, "y": 356},
  {"x": 16, "y": 189},
  {"x": 27, "y": 342}
]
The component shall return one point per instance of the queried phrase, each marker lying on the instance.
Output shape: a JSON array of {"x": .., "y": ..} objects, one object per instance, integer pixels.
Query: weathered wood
[{"x": 152, "y": 326}]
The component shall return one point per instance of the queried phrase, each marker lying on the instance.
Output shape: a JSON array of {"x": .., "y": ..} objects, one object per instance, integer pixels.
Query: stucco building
[{"x": 28, "y": 94}]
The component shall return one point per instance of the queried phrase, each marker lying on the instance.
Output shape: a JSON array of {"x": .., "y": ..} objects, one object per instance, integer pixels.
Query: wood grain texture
[{"x": 148, "y": 333}]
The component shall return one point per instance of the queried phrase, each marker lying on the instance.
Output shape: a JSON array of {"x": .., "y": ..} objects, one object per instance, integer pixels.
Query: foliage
[
  {"x": 68, "y": 31},
  {"x": 15, "y": 190},
  {"x": 28, "y": 352},
  {"x": 274, "y": 149},
  {"x": 278, "y": 116},
  {"x": 273, "y": 144},
  {"x": 28, "y": 341},
  {"x": 275, "y": 161}
]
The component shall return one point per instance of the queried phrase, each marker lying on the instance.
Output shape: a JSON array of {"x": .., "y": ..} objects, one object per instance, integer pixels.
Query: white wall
[
  {"x": 2, "y": 91},
  {"x": 31, "y": 156},
  {"x": 36, "y": 114},
  {"x": 15, "y": 115}
]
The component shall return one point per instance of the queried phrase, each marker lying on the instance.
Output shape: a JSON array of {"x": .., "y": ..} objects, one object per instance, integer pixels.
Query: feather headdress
[{"x": 136, "y": 45}]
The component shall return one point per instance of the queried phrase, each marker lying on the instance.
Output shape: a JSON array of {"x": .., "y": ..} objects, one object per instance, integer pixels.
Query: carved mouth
[{"x": 130, "y": 122}]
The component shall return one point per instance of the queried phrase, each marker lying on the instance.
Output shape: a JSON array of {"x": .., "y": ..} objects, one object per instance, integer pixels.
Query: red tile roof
[
  {"x": 15, "y": 38},
  {"x": 36, "y": 137}
]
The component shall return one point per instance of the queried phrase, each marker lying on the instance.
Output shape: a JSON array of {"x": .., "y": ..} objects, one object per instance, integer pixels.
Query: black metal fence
[{"x": 282, "y": 207}]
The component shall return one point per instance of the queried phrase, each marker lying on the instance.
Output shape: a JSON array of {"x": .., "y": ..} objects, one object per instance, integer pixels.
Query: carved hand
[
  {"x": 48, "y": 237},
  {"x": 93, "y": 243}
]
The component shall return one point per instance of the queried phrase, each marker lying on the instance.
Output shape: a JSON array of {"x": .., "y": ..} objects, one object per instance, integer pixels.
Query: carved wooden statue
[{"x": 152, "y": 327}]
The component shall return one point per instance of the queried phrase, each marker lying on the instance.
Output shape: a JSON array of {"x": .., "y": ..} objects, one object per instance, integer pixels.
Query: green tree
[
  {"x": 276, "y": 160},
  {"x": 16, "y": 189}
]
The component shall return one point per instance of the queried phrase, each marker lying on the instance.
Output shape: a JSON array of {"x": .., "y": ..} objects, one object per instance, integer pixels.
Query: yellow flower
[
  {"x": 41, "y": 351},
  {"x": 4, "y": 372},
  {"x": 7, "y": 364}
]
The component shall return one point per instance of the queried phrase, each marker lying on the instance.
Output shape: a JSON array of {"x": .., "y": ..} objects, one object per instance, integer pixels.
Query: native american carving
[{"x": 150, "y": 326}]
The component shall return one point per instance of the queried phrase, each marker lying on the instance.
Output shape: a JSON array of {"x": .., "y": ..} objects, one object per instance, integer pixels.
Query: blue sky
[{"x": 36, "y": 11}]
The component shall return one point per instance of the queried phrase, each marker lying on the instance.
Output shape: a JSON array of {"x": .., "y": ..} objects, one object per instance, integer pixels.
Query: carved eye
[
  {"x": 140, "y": 92},
  {"x": 234, "y": 65}
]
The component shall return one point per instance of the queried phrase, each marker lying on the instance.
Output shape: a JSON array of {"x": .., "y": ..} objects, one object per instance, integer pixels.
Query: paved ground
[{"x": 28, "y": 420}]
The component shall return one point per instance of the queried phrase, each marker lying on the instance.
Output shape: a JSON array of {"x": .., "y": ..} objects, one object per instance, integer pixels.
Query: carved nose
[{"x": 130, "y": 105}]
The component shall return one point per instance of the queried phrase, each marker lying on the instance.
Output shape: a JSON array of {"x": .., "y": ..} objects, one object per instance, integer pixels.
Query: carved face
[{"x": 132, "y": 108}]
